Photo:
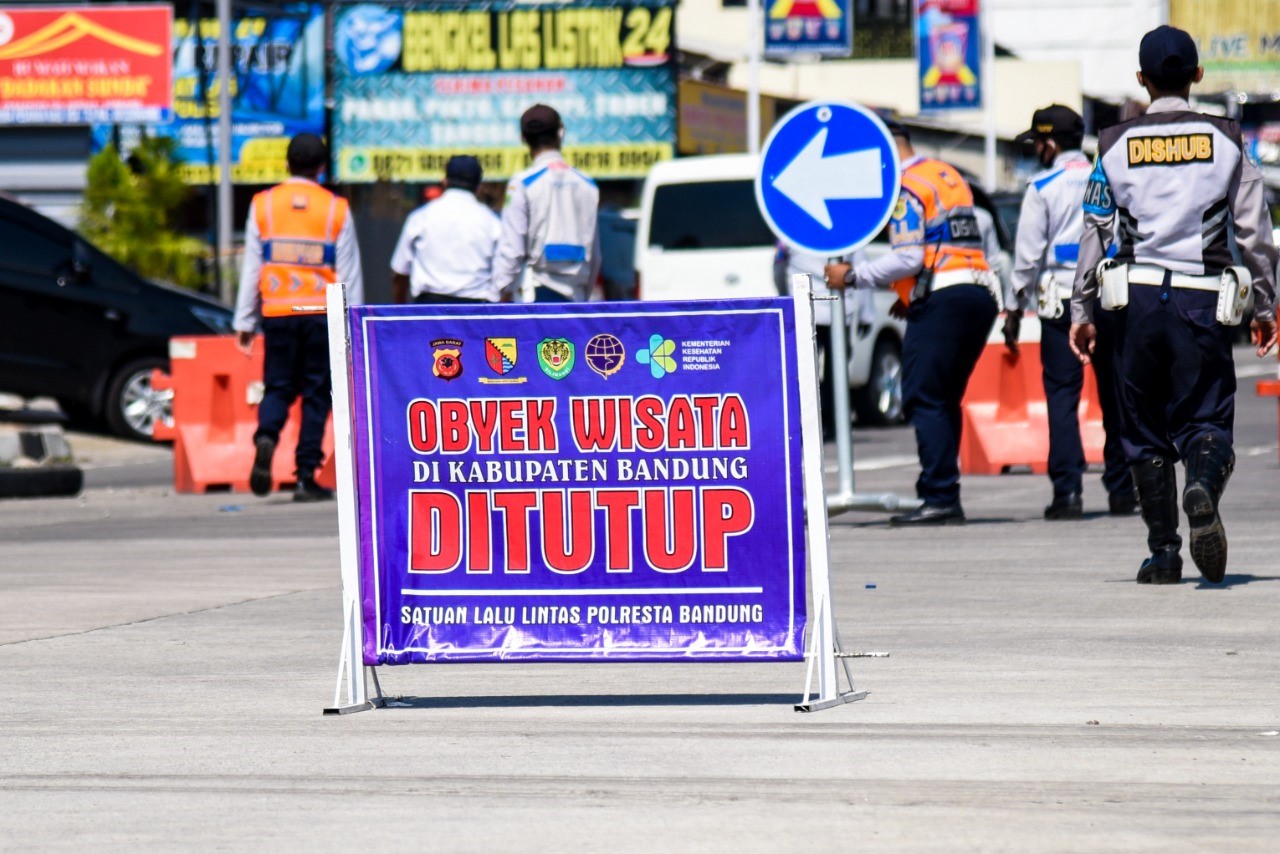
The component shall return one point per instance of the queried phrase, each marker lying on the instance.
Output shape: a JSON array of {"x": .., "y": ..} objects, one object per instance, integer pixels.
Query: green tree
[{"x": 128, "y": 211}]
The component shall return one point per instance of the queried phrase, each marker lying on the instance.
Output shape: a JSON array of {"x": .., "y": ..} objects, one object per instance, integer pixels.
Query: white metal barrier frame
[{"x": 822, "y": 648}]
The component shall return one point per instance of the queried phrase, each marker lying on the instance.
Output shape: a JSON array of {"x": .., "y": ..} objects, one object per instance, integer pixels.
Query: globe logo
[
  {"x": 659, "y": 356},
  {"x": 605, "y": 354},
  {"x": 367, "y": 39}
]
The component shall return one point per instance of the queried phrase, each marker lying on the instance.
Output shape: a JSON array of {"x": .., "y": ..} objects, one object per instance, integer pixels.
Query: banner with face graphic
[
  {"x": 949, "y": 51},
  {"x": 614, "y": 481}
]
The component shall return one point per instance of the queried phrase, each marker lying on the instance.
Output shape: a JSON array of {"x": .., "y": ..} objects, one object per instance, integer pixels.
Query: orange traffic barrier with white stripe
[
  {"x": 216, "y": 389},
  {"x": 1005, "y": 417}
]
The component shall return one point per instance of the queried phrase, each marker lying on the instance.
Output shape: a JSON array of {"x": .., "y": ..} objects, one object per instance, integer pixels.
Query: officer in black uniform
[{"x": 1178, "y": 184}]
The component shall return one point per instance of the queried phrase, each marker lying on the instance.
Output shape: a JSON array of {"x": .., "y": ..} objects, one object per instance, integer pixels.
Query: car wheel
[
  {"x": 133, "y": 407},
  {"x": 879, "y": 402}
]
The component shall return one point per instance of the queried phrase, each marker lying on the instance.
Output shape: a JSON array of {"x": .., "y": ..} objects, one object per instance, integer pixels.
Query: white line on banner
[{"x": 645, "y": 591}]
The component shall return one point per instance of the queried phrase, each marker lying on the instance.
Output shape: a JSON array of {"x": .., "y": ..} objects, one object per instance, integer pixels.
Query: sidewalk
[{"x": 165, "y": 660}]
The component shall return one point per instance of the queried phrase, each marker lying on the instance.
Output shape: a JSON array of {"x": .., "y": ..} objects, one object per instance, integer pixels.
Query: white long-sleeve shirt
[
  {"x": 249, "y": 300},
  {"x": 447, "y": 247},
  {"x": 549, "y": 223},
  {"x": 1049, "y": 228}
]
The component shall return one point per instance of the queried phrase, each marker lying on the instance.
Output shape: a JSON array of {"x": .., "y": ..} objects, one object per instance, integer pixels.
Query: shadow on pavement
[
  {"x": 592, "y": 700},
  {"x": 1235, "y": 581}
]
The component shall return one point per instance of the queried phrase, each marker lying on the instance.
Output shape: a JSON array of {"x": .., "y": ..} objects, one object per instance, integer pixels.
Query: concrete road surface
[{"x": 164, "y": 661}]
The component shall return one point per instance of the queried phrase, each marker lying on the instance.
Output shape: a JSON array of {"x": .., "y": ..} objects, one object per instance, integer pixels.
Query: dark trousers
[
  {"x": 296, "y": 362},
  {"x": 1179, "y": 379},
  {"x": 946, "y": 333},
  {"x": 428, "y": 298},
  {"x": 1063, "y": 382},
  {"x": 544, "y": 294}
]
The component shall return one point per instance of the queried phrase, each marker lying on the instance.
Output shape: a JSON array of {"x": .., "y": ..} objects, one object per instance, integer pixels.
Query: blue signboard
[
  {"x": 828, "y": 177},
  {"x": 579, "y": 482},
  {"x": 278, "y": 62},
  {"x": 819, "y": 27},
  {"x": 949, "y": 51},
  {"x": 419, "y": 83}
]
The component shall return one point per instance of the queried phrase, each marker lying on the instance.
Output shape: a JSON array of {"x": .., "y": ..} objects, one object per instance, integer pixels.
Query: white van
[{"x": 701, "y": 236}]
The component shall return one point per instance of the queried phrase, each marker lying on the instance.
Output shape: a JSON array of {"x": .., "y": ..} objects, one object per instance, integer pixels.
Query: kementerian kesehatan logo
[
  {"x": 660, "y": 356},
  {"x": 448, "y": 358},
  {"x": 605, "y": 354},
  {"x": 500, "y": 353},
  {"x": 555, "y": 357}
]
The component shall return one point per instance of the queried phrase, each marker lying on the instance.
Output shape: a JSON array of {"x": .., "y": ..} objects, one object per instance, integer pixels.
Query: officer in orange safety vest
[
  {"x": 298, "y": 239},
  {"x": 950, "y": 298}
]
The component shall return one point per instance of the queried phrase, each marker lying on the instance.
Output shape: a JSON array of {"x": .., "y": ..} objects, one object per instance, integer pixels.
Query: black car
[{"x": 77, "y": 326}]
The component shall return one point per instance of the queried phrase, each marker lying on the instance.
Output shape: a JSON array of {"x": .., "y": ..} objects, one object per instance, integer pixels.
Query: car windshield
[{"x": 708, "y": 215}]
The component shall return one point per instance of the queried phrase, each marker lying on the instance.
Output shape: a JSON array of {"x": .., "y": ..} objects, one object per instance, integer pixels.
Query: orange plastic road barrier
[
  {"x": 1006, "y": 420},
  {"x": 1270, "y": 388},
  {"x": 216, "y": 390}
]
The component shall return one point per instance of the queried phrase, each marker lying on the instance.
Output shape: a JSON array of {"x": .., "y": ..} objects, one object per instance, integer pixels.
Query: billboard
[
  {"x": 278, "y": 64},
  {"x": 949, "y": 54},
  {"x": 816, "y": 27},
  {"x": 595, "y": 482},
  {"x": 415, "y": 85},
  {"x": 82, "y": 64},
  {"x": 1239, "y": 42}
]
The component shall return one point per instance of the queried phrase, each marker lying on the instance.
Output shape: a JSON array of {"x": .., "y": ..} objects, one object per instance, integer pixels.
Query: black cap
[
  {"x": 538, "y": 119},
  {"x": 1054, "y": 120},
  {"x": 463, "y": 170},
  {"x": 307, "y": 152},
  {"x": 896, "y": 128},
  {"x": 1168, "y": 51}
]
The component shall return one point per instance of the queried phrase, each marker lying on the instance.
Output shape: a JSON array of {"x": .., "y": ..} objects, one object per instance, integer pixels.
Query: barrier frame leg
[
  {"x": 352, "y": 672},
  {"x": 823, "y": 641}
]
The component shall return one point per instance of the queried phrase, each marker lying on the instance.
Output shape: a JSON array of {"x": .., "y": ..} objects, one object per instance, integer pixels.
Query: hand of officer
[
  {"x": 898, "y": 310},
  {"x": 1083, "y": 337},
  {"x": 1264, "y": 335},
  {"x": 244, "y": 342},
  {"x": 835, "y": 274},
  {"x": 1012, "y": 326}
]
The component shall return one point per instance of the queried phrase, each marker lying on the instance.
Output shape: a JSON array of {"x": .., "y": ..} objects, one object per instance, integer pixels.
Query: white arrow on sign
[{"x": 810, "y": 180}]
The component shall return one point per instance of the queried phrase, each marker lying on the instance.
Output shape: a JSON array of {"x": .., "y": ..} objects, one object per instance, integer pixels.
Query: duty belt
[{"x": 1148, "y": 274}]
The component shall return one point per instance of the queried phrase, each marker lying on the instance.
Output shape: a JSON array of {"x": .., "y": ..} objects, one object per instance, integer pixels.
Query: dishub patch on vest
[{"x": 1170, "y": 150}]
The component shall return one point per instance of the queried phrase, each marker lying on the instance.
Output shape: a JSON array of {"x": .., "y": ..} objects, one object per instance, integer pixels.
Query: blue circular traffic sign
[{"x": 828, "y": 178}]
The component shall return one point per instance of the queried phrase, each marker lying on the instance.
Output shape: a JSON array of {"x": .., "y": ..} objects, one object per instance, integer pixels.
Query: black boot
[
  {"x": 1157, "y": 487},
  {"x": 264, "y": 450},
  {"x": 1210, "y": 461},
  {"x": 308, "y": 490}
]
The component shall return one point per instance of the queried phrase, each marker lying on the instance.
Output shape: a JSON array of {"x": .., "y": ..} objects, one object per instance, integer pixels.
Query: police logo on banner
[
  {"x": 555, "y": 357},
  {"x": 448, "y": 358}
]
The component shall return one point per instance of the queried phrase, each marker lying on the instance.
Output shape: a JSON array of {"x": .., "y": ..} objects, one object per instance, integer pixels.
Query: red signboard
[{"x": 82, "y": 64}]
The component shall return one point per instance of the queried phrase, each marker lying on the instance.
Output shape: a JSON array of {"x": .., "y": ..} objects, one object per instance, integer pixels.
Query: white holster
[
  {"x": 1235, "y": 296},
  {"x": 1113, "y": 284},
  {"x": 1050, "y": 305}
]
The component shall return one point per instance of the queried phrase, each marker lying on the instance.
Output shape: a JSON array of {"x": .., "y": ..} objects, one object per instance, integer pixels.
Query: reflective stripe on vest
[
  {"x": 953, "y": 241},
  {"x": 299, "y": 223}
]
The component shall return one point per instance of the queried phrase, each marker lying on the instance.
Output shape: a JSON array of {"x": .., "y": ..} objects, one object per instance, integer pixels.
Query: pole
[
  {"x": 754, "y": 20},
  {"x": 225, "y": 200},
  {"x": 988, "y": 98}
]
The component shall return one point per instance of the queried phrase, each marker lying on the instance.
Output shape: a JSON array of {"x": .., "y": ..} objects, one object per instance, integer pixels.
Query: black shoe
[
  {"x": 1069, "y": 506},
  {"x": 308, "y": 490},
  {"x": 930, "y": 515},
  {"x": 1163, "y": 567},
  {"x": 1123, "y": 503},
  {"x": 260, "y": 474},
  {"x": 1209, "y": 465}
]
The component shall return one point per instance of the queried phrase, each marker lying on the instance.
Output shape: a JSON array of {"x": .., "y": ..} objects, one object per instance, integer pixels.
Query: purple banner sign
[{"x": 616, "y": 481}]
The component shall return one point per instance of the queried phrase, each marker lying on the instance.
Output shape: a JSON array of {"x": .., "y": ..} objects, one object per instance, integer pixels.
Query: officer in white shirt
[
  {"x": 1048, "y": 246},
  {"x": 1186, "y": 202},
  {"x": 549, "y": 219},
  {"x": 446, "y": 250}
]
